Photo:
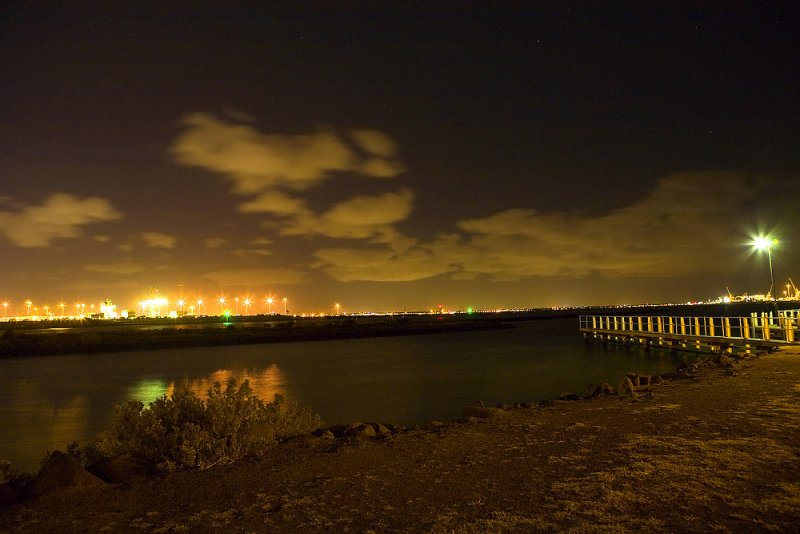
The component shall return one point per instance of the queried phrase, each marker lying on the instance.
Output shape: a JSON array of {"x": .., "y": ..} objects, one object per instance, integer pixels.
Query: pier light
[{"x": 766, "y": 243}]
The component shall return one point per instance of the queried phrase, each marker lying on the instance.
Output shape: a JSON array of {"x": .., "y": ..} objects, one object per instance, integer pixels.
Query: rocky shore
[{"x": 713, "y": 446}]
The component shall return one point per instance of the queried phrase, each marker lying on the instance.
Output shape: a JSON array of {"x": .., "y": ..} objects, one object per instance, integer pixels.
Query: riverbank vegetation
[
  {"x": 185, "y": 431},
  {"x": 86, "y": 340}
]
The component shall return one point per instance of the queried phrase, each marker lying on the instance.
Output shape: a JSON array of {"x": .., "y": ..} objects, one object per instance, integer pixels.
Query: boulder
[
  {"x": 361, "y": 431},
  {"x": 325, "y": 434},
  {"x": 342, "y": 430},
  {"x": 569, "y": 397},
  {"x": 601, "y": 390},
  {"x": 480, "y": 411},
  {"x": 381, "y": 429},
  {"x": 723, "y": 360},
  {"x": 61, "y": 471}
]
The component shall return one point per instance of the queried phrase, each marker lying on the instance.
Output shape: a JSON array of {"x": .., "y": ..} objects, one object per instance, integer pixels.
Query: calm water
[{"x": 47, "y": 402}]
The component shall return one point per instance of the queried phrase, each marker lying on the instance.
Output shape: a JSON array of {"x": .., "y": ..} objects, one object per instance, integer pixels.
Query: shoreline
[{"x": 718, "y": 449}]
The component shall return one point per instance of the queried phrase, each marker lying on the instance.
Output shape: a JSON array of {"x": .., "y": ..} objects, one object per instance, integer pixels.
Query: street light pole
[
  {"x": 772, "y": 281},
  {"x": 766, "y": 243}
]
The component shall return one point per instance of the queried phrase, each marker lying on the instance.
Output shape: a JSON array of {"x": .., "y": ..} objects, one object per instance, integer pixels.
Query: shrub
[{"x": 186, "y": 432}]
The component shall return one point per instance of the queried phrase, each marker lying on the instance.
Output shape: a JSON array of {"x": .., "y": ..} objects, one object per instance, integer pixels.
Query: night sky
[{"x": 398, "y": 158}]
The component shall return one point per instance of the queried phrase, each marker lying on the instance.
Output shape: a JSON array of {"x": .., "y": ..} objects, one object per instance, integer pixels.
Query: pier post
[
  {"x": 639, "y": 320},
  {"x": 671, "y": 325},
  {"x": 660, "y": 324},
  {"x": 789, "y": 328},
  {"x": 727, "y": 327},
  {"x": 594, "y": 322},
  {"x": 764, "y": 327},
  {"x": 745, "y": 328},
  {"x": 711, "y": 326},
  {"x": 697, "y": 326},
  {"x": 683, "y": 326},
  {"x": 649, "y": 324}
]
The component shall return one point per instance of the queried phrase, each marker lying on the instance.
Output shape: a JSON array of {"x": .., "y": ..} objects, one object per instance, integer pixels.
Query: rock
[
  {"x": 326, "y": 434},
  {"x": 546, "y": 403},
  {"x": 434, "y": 424},
  {"x": 684, "y": 371},
  {"x": 342, "y": 430},
  {"x": 61, "y": 471},
  {"x": 380, "y": 429},
  {"x": 482, "y": 412},
  {"x": 569, "y": 397},
  {"x": 122, "y": 468},
  {"x": 504, "y": 406},
  {"x": 724, "y": 360},
  {"x": 602, "y": 390},
  {"x": 627, "y": 387},
  {"x": 360, "y": 432}
]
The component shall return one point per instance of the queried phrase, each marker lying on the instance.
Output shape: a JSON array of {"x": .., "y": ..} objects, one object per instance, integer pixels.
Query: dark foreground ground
[{"x": 716, "y": 452}]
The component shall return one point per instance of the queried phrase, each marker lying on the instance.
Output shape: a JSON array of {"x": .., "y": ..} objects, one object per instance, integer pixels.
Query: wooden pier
[{"x": 697, "y": 334}]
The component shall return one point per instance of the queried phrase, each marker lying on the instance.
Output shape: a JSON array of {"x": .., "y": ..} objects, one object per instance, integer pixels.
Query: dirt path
[{"x": 720, "y": 451}]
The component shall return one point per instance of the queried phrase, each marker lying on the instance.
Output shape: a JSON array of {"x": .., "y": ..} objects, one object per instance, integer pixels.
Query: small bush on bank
[{"x": 186, "y": 432}]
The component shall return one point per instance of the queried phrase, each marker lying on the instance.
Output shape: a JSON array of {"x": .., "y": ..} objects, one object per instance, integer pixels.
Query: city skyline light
[{"x": 506, "y": 156}]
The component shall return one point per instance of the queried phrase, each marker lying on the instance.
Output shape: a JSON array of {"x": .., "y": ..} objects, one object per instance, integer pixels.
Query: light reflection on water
[
  {"x": 265, "y": 383},
  {"x": 47, "y": 402}
]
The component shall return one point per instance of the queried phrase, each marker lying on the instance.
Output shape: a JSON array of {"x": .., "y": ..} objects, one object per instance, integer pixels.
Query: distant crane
[{"x": 792, "y": 291}]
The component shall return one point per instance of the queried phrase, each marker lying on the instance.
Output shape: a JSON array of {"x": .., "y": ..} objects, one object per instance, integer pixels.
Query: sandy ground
[{"x": 718, "y": 452}]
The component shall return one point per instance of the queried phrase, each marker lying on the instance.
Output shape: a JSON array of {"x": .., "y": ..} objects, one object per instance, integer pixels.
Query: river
[{"x": 46, "y": 402}]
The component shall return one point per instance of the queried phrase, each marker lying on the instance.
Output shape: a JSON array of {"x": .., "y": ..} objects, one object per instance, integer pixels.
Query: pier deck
[{"x": 697, "y": 334}]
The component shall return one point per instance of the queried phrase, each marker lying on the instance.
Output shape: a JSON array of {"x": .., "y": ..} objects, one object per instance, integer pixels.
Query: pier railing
[{"x": 681, "y": 332}]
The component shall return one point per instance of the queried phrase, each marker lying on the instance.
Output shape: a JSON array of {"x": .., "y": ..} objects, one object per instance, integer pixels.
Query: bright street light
[
  {"x": 269, "y": 301},
  {"x": 285, "y": 309},
  {"x": 766, "y": 243},
  {"x": 247, "y": 306}
]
